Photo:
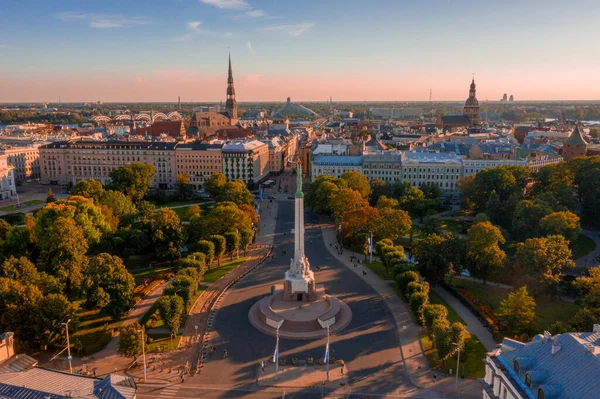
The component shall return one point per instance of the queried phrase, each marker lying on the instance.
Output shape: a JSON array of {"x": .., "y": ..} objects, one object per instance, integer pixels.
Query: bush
[
  {"x": 414, "y": 287},
  {"x": 416, "y": 302},
  {"x": 483, "y": 312},
  {"x": 405, "y": 278},
  {"x": 402, "y": 267}
]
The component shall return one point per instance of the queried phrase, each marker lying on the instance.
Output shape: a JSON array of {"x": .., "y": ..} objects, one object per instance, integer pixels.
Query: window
[
  {"x": 516, "y": 366},
  {"x": 540, "y": 394}
]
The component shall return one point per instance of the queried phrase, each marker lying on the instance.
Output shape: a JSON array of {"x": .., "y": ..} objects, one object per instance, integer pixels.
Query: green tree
[
  {"x": 193, "y": 211},
  {"x": 393, "y": 223},
  {"x": 208, "y": 249},
  {"x": 450, "y": 339},
  {"x": 414, "y": 287},
  {"x": 431, "y": 314},
  {"x": 220, "y": 246},
  {"x": 19, "y": 269},
  {"x": 133, "y": 179},
  {"x": 166, "y": 234},
  {"x": 4, "y": 229},
  {"x": 182, "y": 186},
  {"x": 196, "y": 260},
  {"x": 171, "y": 309},
  {"x": 403, "y": 279},
  {"x": 416, "y": 302},
  {"x": 438, "y": 256},
  {"x": 236, "y": 192},
  {"x": 130, "y": 340},
  {"x": 563, "y": 223},
  {"x": 232, "y": 242},
  {"x": 88, "y": 188},
  {"x": 483, "y": 249},
  {"x": 50, "y": 196},
  {"x": 585, "y": 319},
  {"x": 585, "y": 284},
  {"x": 246, "y": 237},
  {"x": 542, "y": 261},
  {"x": 214, "y": 184},
  {"x": 386, "y": 202},
  {"x": 431, "y": 225},
  {"x": 120, "y": 204},
  {"x": 357, "y": 181},
  {"x": 589, "y": 189},
  {"x": 526, "y": 221},
  {"x": 361, "y": 244},
  {"x": 107, "y": 274},
  {"x": 517, "y": 312},
  {"x": 52, "y": 311}
]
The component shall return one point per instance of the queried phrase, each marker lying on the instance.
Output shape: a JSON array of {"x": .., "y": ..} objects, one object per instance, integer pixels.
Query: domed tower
[
  {"x": 575, "y": 145},
  {"x": 471, "y": 109},
  {"x": 231, "y": 104}
]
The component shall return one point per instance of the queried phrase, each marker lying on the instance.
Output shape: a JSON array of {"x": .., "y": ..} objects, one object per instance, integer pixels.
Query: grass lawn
[
  {"x": 141, "y": 274},
  {"x": 378, "y": 269},
  {"x": 435, "y": 299},
  {"x": 451, "y": 226},
  {"x": 12, "y": 208},
  {"x": 90, "y": 332},
  {"x": 216, "y": 272},
  {"x": 471, "y": 364},
  {"x": 181, "y": 212},
  {"x": 583, "y": 246},
  {"x": 162, "y": 343},
  {"x": 548, "y": 310}
]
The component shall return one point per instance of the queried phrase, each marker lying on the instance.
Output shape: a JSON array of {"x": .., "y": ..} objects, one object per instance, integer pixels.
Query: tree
[
  {"x": 195, "y": 260},
  {"x": 517, "y": 312},
  {"x": 449, "y": 339},
  {"x": 193, "y": 211},
  {"x": 431, "y": 225},
  {"x": 220, "y": 246},
  {"x": 19, "y": 269},
  {"x": 346, "y": 201},
  {"x": 564, "y": 223},
  {"x": 528, "y": 214},
  {"x": 18, "y": 242},
  {"x": 542, "y": 262},
  {"x": 385, "y": 202},
  {"x": 379, "y": 188},
  {"x": 357, "y": 181},
  {"x": 133, "y": 179},
  {"x": 182, "y": 186},
  {"x": 214, "y": 184},
  {"x": 232, "y": 242},
  {"x": 361, "y": 243},
  {"x": 130, "y": 340},
  {"x": 235, "y": 191},
  {"x": 208, "y": 249},
  {"x": 246, "y": 237},
  {"x": 416, "y": 302},
  {"x": 171, "y": 309},
  {"x": 414, "y": 287},
  {"x": 403, "y": 279},
  {"x": 166, "y": 234},
  {"x": 483, "y": 249},
  {"x": 431, "y": 314},
  {"x": 50, "y": 196},
  {"x": 4, "y": 229},
  {"x": 63, "y": 247},
  {"x": 184, "y": 286},
  {"x": 120, "y": 204},
  {"x": 224, "y": 217},
  {"x": 589, "y": 189},
  {"x": 586, "y": 284},
  {"x": 52, "y": 311},
  {"x": 438, "y": 256},
  {"x": 392, "y": 223},
  {"x": 107, "y": 274},
  {"x": 89, "y": 188},
  {"x": 585, "y": 319}
]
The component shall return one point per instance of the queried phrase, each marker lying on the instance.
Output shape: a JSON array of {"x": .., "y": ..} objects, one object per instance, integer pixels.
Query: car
[
  {"x": 205, "y": 196},
  {"x": 291, "y": 197},
  {"x": 271, "y": 197}
]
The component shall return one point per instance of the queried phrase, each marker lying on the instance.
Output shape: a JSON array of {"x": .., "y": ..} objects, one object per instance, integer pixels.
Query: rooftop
[
  {"x": 335, "y": 160},
  {"x": 242, "y": 146},
  {"x": 431, "y": 157}
]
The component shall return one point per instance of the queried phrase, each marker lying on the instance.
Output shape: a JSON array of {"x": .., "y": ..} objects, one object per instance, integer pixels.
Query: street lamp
[
  {"x": 68, "y": 346},
  {"x": 237, "y": 243},
  {"x": 143, "y": 351},
  {"x": 457, "y": 366}
]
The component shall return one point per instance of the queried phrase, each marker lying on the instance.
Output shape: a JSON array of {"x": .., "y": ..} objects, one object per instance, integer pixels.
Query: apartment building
[
  {"x": 384, "y": 165},
  {"x": 442, "y": 169},
  {"x": 66, "y": 163},
  {"x": 335, "y": 165},
  {"x": 200, "y": 161},
  {"x": 246, "y": 160},
  {"x": 25, "y": 159},
  {"x": 8, "y": 187}
]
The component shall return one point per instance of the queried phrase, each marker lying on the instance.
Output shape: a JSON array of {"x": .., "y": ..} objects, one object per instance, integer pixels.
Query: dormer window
[
  {"x": 516, "y": 366},
  {"x": 540, "y": 394},
  {"x": 528, "y": 380}
]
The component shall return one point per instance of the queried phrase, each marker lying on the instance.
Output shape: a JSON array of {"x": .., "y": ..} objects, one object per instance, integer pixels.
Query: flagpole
[
  {"x": 371, "y": 246},
  {"x": 327, "y": 353},
  {"x": 277, "y": 357}
]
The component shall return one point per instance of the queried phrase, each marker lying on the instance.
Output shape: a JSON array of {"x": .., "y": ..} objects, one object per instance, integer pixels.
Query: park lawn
[
  {"x": 91, "y": 334},
  {"x": 216, "y": 272},
  {"x": 452, "y": 226},
  {"x": 378, "y": 269},
  {"x": 141, "y": 274},
  {"x": 12, "y": 208},
  {"x": 181, "y": 212},
  {"x": 435, "y": 299},
  {"x": 472, "y": 365},
  {"x": 583, "y": 246},
  {"x": 548, "y": 310},
  {"x": 162, "y": 343}
]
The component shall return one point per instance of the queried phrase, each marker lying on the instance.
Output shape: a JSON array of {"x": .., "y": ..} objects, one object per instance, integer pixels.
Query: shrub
[
  {"x": 413, "y": 287},
  {"x": 416, "y": 302},
  {"x": 405, "y": 278}
]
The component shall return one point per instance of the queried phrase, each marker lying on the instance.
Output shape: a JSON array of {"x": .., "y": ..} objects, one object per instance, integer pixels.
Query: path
[
  {"x": 415, "y": 363},
  {"x": 589, "y": 260},
  {"x": 107, "y": 360},
  {"x": 474, "y": 326}
]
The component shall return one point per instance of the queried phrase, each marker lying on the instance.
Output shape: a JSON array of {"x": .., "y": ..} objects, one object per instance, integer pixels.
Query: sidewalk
[
  {"x": 416, "y": 365},
  {"x": 589, "y": 260},
  {"x": 302, "y": 376}
]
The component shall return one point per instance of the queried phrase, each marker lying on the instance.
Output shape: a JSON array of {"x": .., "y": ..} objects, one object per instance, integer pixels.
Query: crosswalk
[{"x": 169, "y": 392}]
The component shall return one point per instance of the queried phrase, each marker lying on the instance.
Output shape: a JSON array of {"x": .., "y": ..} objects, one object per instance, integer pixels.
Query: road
[{"x": 369, "y": 345}]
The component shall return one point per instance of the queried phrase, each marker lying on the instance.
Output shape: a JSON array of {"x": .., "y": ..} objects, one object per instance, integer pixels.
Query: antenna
[{"x": 430, "y": 95}]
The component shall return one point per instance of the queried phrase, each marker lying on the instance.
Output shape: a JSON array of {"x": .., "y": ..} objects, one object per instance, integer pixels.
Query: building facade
[
  {"x": 200, "y": 161},
  {"x": 471, "y": 108},
  {"x": 575, "y": 145},
  {"x": 336, "y": 166},
  {"x": 25, "y": 159},
  {"x": 8, "y": 186},
  {"x": 384, "y": 165},
  {"x": 247, "y": 161},
  {"x": 441, "y": 169},
  {"x": 66, "y": 163}
]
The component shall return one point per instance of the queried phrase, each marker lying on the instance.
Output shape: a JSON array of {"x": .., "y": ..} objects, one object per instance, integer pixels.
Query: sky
[{"x": 309, "y": 50}]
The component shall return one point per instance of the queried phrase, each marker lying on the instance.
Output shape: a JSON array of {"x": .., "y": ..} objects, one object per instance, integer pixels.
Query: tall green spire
[{"x": 299, "y": 180}]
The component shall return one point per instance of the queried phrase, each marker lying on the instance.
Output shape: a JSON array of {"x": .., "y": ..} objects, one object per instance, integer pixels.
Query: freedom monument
[{"x": 300, "y": 309}]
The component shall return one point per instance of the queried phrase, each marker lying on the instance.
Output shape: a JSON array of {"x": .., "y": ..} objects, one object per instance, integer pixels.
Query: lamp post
[
  {"x": 143, "y": 351},
  {"x": 457, "y": 367},
  {"x": 237, "y": 244},
  {"x": 68, "y": 346},
  {"x": 371, "y": 247},
  {"x": 327, "y": 353}
]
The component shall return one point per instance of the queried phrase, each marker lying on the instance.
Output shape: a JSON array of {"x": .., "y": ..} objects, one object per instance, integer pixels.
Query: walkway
[
  {"x": 589, "y": 260},
  {"x": 474, "y": 326},
  {"x": 416, "y": 365}
]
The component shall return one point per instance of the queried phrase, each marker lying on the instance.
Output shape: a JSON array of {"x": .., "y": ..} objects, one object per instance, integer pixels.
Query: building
[
  {"x": 200, "y": 161},
  {"x": 277, "y": 157},
  {"x": 8, "y": 186},
  {"x": 291, "y": 109},
  {"x": 575, "y": 145},
  {"x": 66, "y": 163},
  {"x": 25, "y": 159},
  {"x": 174, "y": 129},
  {"x": 471, "y": 108},
  {"x": 396, "y": 113},
  {"x": 441, "y": 169},
  {"x": 246, "y": 160},
  {"x": 384, "y": 165},
  {"x": 335, "y": 165},
  {"x": 563, "y": 366},
  {"x": 231, "y": 104}
]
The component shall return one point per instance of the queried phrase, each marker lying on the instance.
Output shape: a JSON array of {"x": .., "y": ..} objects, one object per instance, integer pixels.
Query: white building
[
  {"x": 246, "y": 160},
  {"x": 335, "y": 165},
  {"x": 8, "y": 188},
  {"x": 563, "y": 366},
  {"x": 384, "y": 165},
  {"x": 441, "y": 169},
  {"x": 396, "y": 113}
]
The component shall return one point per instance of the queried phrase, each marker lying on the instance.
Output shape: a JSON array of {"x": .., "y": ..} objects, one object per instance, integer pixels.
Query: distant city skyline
[{"x": 157, "y": 51}]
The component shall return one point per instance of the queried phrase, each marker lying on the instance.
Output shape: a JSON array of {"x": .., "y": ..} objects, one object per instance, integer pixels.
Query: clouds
[
  {"x": 104, "y": 21},
  {"x": 291, "y": 29},
  {"x": 255, "y": 13},
  {"x": 227, "y": 4},
  {"x": 194, "y": 29},
  {"x": 250, "y": 48}
]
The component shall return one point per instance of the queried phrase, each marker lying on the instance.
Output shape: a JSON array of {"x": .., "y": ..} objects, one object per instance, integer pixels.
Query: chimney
[
  {"x": 555, "y": 345},
  {"x": 596, "y": 328}
]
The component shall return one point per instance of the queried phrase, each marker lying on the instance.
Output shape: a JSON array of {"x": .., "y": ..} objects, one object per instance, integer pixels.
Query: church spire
[{"x": 231, "y": 103}]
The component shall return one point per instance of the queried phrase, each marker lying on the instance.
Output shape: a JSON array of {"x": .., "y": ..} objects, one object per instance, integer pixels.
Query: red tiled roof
[{"x": 170, "y": 128}]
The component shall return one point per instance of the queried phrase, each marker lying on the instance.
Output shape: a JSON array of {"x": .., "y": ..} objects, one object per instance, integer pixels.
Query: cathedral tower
[
  {"x": 231, "y": 104},
  {"x": 471, "y": 109}
]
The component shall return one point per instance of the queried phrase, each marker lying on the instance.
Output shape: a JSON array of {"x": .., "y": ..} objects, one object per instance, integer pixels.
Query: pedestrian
[
  {"x": 434, "y": 377},
  {"x": 182, "y": 378},
  {"x": 224, "y": 353},
  {"x": 262, "y": 366},
  {"x": 213, "y": 349}
]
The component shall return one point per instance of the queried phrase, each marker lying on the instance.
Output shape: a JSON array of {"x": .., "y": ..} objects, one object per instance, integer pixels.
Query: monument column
[{"x": 299, "y": 213}]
